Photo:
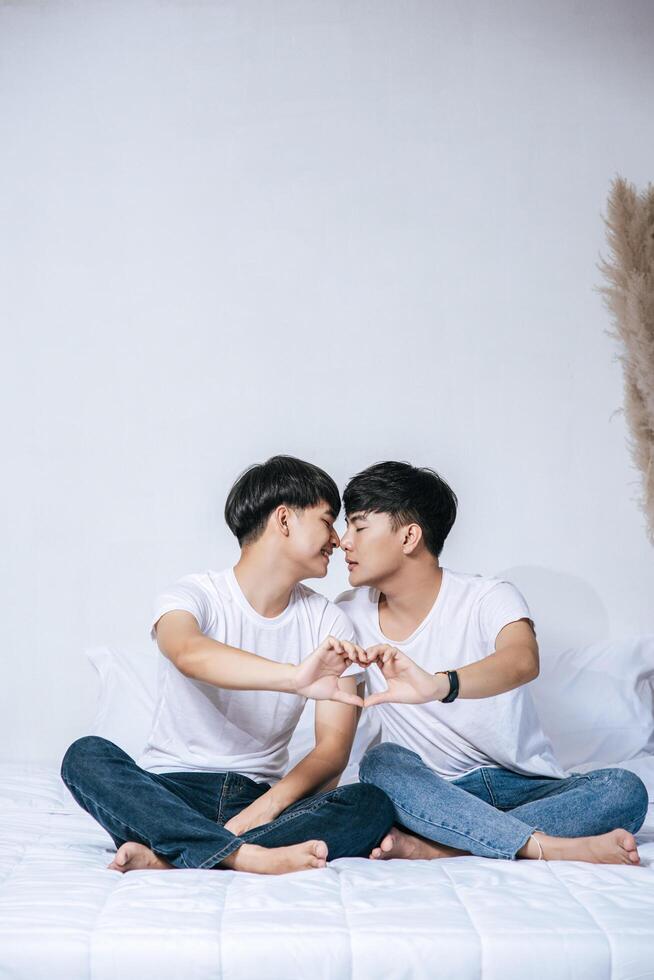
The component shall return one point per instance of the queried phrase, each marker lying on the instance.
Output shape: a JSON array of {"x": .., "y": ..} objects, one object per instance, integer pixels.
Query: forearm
[
  {"x": 501, "y": 671},
  {"x": 224, "y": 666},
  {"x": 318, "y": 771}
]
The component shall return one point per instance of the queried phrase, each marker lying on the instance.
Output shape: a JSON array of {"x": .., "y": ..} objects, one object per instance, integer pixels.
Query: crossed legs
[
  {"x": 590, "y": 817},
  {"x": 176, "y": 819}
]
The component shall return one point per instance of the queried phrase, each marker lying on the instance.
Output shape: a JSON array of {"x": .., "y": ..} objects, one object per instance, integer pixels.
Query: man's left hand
[{"x": 263, "y": 810}]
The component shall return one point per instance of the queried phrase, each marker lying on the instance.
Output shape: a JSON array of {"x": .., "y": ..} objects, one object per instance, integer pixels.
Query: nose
[
  {"x": 345, "y": 541},
  {"x": 334, "y": 539}
]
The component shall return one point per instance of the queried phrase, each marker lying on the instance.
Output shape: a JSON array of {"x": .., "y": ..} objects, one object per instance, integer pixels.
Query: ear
[
  {"x": 412, "y": 536},
  {"x": 280, "y": 516}
]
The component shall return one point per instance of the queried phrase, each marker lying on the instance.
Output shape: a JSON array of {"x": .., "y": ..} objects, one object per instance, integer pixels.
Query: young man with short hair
[
  {"x": 463, "y": 756},
  {"x": 236, "y": 670}
]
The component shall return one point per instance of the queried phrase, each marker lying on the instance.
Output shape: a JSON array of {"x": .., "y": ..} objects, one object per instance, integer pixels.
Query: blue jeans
[
  {"x": 180, "y": 815},
  {"x": 472, "y": 814}
]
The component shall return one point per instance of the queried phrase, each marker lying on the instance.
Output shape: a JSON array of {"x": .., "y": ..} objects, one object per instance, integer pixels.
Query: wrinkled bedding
[{"x": 64, "y": 915}]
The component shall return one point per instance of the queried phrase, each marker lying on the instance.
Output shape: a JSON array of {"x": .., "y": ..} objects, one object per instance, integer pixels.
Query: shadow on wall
[{"x": 566, "y": 610}]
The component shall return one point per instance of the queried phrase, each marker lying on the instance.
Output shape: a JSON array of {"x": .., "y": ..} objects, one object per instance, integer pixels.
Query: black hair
[
  {"x": 408, "y": 494},
  {"x": 264, "y": 486}
]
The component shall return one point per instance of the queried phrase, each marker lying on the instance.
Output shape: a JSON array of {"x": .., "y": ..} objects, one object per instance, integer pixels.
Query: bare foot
[
  {"x": 616, "y": 847},
  {"x": 277, "y": 860},
  {"x": 249, "y": 857},
  {"x": 400, "y": 844},
  {"x": 132, "y": 856}
]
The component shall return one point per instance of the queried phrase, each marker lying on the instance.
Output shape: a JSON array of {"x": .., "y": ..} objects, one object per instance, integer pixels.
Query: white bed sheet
[{"x": 64, "y": 915}]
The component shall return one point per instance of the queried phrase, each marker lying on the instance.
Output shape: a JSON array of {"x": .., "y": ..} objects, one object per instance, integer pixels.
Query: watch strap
[{"x": 453, "y": 678}]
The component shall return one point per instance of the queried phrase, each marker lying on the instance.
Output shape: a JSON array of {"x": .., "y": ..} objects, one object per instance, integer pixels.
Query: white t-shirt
[
  {"x": 461, "y": 627},
  {"x": 198, "y": 726}
]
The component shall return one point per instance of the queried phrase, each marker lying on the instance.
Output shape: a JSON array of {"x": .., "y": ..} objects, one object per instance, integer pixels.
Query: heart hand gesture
[
  {"x": 407, "y": 682},
  {"x": 318, "y": 676}
]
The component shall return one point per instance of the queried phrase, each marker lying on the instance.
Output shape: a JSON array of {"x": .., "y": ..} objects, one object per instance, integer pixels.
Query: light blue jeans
[{"x": 472, "y": 814}]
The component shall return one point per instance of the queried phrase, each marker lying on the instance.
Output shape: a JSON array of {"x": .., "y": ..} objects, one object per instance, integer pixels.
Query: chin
[
  {"x": 369, "y": 579},
  {"x": 356, "y": 577}
]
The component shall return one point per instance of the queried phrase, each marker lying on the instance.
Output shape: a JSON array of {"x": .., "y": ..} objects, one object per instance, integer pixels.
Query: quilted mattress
[{"x": 64, "y": 915}]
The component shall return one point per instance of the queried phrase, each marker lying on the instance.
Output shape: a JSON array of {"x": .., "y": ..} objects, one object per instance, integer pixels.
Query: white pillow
[
  {"x": 126, "y": 700},
  {"x": 596, "y": 703},
  {"x": 28, "y": 786}
]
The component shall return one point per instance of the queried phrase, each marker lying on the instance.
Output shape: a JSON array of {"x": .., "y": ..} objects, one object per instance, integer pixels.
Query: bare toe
[
  {"x": 132, "y": 856},
  {"x": 628, "y": 842},
  {"x": 319, "y": 851}
]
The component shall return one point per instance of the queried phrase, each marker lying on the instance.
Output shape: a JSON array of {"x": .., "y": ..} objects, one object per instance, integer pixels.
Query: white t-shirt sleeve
[
  {"x": 501, "y": 605},
  {"x": 188, "y": 595},
  {"x": 337, "y": 623}
]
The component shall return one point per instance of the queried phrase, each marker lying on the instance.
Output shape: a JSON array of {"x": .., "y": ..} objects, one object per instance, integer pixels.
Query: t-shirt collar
[{"x": 251, "y": 613}]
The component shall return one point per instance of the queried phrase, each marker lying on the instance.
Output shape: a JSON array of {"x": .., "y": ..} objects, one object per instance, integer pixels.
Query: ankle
[
  {"x": 534, "y": 848},
  {"x": 236, "y": 860}
]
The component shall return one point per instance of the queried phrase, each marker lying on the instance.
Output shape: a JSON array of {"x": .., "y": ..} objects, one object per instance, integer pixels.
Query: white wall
[{"x": 350, "y": 231}]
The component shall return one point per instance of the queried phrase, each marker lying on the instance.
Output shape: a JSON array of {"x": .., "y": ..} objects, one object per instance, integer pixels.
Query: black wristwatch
[{"x": 453, "y": 678}]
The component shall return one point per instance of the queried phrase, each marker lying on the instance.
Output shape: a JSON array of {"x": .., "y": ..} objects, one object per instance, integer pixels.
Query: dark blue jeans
[
  {"x": 180, "y": 815},
  {"x": 492, "y": 812}
]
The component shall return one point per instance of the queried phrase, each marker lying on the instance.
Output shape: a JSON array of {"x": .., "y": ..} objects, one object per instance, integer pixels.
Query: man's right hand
[{"x": 318, "y": 676}]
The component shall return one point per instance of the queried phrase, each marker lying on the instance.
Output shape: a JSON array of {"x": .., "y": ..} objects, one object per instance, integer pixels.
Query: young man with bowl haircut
[
  {"x": 210, "y": 790},
  {"x": 463, "y": 756}
]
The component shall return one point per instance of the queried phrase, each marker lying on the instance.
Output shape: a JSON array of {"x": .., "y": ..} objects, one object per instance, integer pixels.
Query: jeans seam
[
  {"x": 467, "y": 836},
  {"x": 219, "y": 812},
  {"x": 488, "y": 787}
]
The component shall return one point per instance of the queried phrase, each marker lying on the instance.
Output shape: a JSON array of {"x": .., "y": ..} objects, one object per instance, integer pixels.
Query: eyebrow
[
  {"x": 328, "y": 512},
  {"x": 355, "y": 517}
]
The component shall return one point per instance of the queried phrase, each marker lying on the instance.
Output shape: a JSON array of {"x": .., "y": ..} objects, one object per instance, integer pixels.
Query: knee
[
  {"x": 627, "y": 795},
  {"x": 82, "y": 754},
  {"x": 372, "y": 804},
  {"x": 636, "y": 797},
  {"x": 379, "y": 808},
  {"x": 381, "y": 759}
]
